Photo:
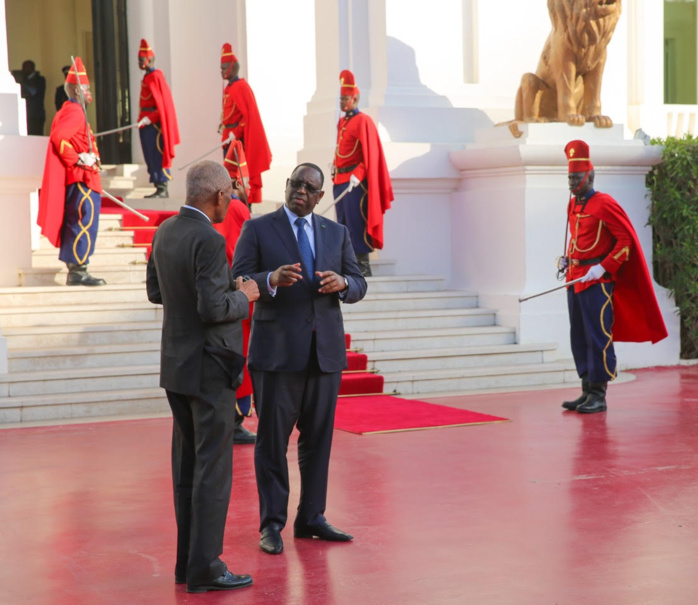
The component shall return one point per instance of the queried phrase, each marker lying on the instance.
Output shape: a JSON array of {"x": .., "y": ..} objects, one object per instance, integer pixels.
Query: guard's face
[
  {"x": 303, "y": 191},
  {"x": 144, "y": 62},
  {"x": 577, "y": 183},
  {"x": 347, "y": 103}
]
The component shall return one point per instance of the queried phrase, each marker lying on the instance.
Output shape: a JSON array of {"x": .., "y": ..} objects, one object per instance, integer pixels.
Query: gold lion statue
[{"x": 567, "y": 84}]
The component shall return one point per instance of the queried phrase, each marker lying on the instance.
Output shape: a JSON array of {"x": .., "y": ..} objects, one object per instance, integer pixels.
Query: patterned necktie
[{"x": 307, "y": 259}]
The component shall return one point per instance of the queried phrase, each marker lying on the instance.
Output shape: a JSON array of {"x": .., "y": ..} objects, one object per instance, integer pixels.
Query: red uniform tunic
[
  {"x": 359, "y": 152},
  {"x": 68, "y": 138},
  {"x": 601, "y": 233},
  {"x": 240, "y": 116},
  {"x": 156, "y": 103}
]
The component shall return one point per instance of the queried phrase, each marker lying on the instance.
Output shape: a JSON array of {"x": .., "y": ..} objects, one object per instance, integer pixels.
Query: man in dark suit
[
  {"x": 297, "y": 350},
  {"x": 201, "y": 366}
]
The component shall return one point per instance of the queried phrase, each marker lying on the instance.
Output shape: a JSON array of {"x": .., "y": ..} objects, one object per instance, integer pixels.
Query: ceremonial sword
[
  {"x": 113, "y": 130},
  {"x": 569, "y": 283},
  {"x": 230, "y": 139}
]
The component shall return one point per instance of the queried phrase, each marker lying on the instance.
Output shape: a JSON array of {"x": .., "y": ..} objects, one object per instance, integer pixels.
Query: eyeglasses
[{"x": 296, "y": 184}]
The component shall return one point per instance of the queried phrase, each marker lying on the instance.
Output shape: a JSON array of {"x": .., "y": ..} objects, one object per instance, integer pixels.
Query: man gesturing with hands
[{"x": 305, "y": 267}]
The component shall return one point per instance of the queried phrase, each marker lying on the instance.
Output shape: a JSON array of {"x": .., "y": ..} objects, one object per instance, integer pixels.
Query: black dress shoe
[
  {"x": 324, "y": 531},
  {"x": 242, "y": 435},
  {"x": 271, "y": 541},
  {"x": 228, "y": 581},
  {"x": 180, "y": 579}
]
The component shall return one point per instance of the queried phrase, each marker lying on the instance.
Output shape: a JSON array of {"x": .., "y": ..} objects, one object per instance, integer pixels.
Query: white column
[{"x": 21, "y": 165}]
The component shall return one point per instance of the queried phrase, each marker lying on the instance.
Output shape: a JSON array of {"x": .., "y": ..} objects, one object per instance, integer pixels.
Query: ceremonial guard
[
  {"x": 157, "y": 122},
  {"x": 70, "y": 196},
  {"x": 238, "y": 212},
  {"x": 614, "y": 299},
  {"x": 360, "y": 175},
  {"x": 240, "y": 117}
]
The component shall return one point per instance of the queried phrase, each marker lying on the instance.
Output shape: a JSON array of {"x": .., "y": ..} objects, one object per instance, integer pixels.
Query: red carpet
[{"x": 386, "y": 414}]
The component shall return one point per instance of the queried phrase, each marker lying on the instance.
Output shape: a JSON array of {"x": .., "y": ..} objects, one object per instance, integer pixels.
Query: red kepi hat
[
  {"x": 145, "y": 50},
  {"x": 82, "y": 73},
  {"x": 577, "y": 153},
  {"x": 227, "y": 54},
  {"x": 348, "y": 84}
]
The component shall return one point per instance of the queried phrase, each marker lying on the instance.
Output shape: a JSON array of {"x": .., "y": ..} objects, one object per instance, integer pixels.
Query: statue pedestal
[{"x": 511, "y": 208}]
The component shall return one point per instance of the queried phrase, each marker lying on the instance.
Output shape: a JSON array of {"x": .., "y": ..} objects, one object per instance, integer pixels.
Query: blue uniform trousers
[
  {"x": 80, "y": 224},
  {"x": 591, "y": 331},
  {"x": 151, "y": 142},
  {"x": 352, "y": 211}
]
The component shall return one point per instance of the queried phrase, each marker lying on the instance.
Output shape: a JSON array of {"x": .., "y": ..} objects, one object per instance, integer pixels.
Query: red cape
[
  {"x": 380, "y": 189},
  {"x": 637, "y": 317},
  {"x": 70, "y": 119},
  {"x": 255, "y": 139},
  {"x": 168, "y": 118},
  {"x": 230, "y": 228}
]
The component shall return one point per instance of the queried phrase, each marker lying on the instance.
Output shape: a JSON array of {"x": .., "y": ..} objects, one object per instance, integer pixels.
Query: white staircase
[
  {"x": 78, "y": 352},
  {"x": 424, "y": 339}
]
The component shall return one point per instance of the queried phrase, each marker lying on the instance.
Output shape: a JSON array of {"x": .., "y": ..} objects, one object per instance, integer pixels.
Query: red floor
[{"x": 550, "y": 508}]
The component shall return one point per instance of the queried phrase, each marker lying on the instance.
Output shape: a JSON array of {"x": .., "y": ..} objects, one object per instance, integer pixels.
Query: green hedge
[{"x": 673, "y": 186}]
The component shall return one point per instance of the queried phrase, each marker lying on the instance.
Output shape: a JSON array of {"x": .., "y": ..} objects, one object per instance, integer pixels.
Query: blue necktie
[{"x": 307, "y": 259}]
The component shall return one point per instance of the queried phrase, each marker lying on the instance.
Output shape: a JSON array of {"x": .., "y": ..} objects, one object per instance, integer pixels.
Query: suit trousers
[
  {"x": 306, "y": 399},
  {"x": 202, "y": 472}
]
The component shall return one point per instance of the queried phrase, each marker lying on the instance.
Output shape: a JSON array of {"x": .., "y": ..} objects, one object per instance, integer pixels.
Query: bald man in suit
[{"x": 201, "y": 366}]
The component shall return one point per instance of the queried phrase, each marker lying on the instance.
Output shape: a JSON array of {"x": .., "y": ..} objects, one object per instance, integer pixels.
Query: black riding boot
[
  {"x": 160, "y": 191},
  {"x": 78, "y": 276},
  {"x": 596, "y": 402},
  {"x": 572, "y": 405},
  {"x": 364, "y": 265}
]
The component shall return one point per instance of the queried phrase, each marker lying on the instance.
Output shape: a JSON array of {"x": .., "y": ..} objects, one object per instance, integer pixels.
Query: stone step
[
  {"x": 69, "y": 335},
  {"x": 80, "y": 315},
  {"x": 109, "y": 237},
  {"x": 390, "y": 301},
  {"x": 23, "y": 384},
  {"x": 89, "y": 404},
  {"x": 405, "y": 283},
  {"x": 61, "y": 295},
  {"x": 472, "y": 379},
  {"x": 84, "y": 356},
  {"x": 414, "y": 360},
  {"x": 405, "y": 320},
  {"x": 50, "y": 276},
  {"x": 102, "y": 257},
  {"x": 381, "y": 267},
  {"x": 425, "y": 339}
]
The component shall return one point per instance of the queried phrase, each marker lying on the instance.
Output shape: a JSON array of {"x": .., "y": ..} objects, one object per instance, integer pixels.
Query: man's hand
[
  {"x": 249, "y": 288},
  {"x": 330, "y": 282},
  {"x": 353, "y": 182},
  {"x": 144, "y": 122},
  {"x": 87, "y": 159},
  {"x": 594, "y": 273},
  {"x": 286, "y": 275}
]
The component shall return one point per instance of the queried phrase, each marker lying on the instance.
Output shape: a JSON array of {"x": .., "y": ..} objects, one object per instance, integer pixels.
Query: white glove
[
  {"x": 87, "y": 159},
  {"x": 144, "y": 122},
  {"x": 594, "y": 273},
  {"x": 353, "y": 182},
  {"x": 562, "y": 263}
]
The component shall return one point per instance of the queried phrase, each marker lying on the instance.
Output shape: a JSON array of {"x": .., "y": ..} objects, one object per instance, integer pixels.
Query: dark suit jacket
[
  {"x": 283, "y": 325},
  {"x": 188, "y": 273}
]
